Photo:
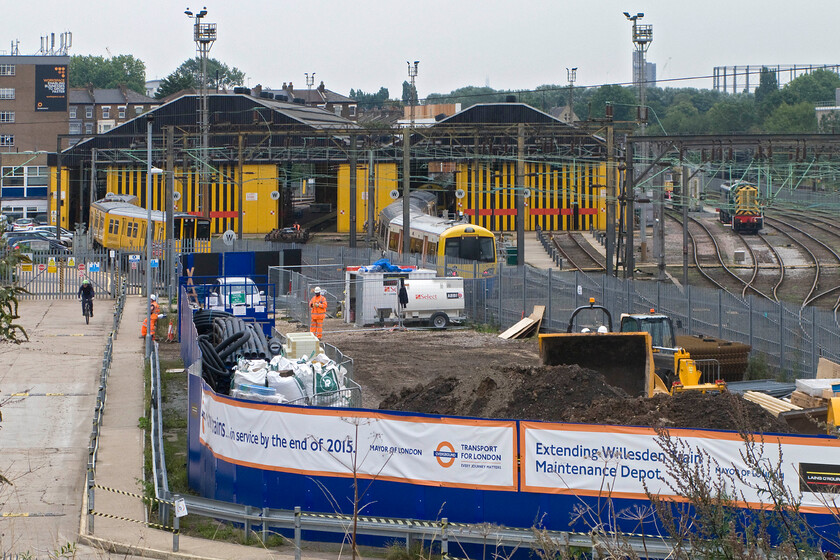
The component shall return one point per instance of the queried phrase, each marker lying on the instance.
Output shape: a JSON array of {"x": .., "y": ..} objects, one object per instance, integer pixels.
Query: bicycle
[{"x": 87, "y": 310}]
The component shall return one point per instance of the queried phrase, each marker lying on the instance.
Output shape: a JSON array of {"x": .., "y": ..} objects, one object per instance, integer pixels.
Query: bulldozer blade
[{"x": 624, "y": 359}]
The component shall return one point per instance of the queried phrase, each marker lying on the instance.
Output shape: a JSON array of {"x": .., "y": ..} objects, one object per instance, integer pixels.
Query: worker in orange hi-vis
[
  {"x": 318, "y": 311},
  {"x": 144, "y": 327}
]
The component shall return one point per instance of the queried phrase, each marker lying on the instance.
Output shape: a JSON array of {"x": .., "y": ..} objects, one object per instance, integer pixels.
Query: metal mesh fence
[{"x": 789, "y": 340}]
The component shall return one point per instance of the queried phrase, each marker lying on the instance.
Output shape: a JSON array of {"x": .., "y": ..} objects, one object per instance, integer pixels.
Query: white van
[{"x": 231, "y": 291}]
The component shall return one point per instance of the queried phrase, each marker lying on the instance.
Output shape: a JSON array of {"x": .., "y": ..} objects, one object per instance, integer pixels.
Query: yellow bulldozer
[{"x": 629, "y": 359}]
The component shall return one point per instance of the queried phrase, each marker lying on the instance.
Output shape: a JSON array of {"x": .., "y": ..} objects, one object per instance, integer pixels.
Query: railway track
[
  {"x": 574, "y": 251},
  {"x": 769, "y": 270},
  {"x": 826, "y": 278},
  {"x": 713, "y": 260}
]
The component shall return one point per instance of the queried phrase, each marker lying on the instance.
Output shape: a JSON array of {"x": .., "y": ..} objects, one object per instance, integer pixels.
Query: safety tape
[
  {"x": 146, "y": 523},
  {"x": 386, "y": 521},
  {"x": 435, "y": 524},
  {"x": 140, "y": 496}
]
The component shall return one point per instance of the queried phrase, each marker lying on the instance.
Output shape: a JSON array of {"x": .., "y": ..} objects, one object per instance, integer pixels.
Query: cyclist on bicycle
[{"x": 86, "y": 295}]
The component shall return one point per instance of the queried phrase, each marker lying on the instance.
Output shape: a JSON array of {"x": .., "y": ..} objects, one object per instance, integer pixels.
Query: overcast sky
[{"x": 510, "y": 44}]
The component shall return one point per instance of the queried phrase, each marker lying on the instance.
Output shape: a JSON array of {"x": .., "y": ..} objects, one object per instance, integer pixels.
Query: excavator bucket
[{"x": 624, "y": 359}]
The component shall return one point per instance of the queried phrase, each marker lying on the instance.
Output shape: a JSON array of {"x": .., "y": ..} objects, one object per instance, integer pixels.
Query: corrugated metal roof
[
  {"x": 501, "y": 113},
  {"x": 113, "y": 96},
  {"x": 226, "y": 110},
  {"x": 772, "y": 388}
]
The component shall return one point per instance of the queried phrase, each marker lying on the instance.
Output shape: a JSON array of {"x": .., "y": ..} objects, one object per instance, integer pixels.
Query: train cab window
[
  {"x": 176, "y": 230},
  {"x": 202, "y": 230},
  {"x": 189, "y": 229},
  {"x": 113, "y": 227},
  {"x": 471, "y": 248},
  {"x": 452, "y": 248},
  {"x": 486, "y": 249}
]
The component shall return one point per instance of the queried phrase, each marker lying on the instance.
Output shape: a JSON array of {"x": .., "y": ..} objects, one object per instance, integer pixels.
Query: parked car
[
  {"x": 14, "y": 236},
  {"x": 230, "y": 291},
  {"x": 22, "y": 224},
  {"x": 49, "y": 231},
  {"x": 38, "y": 244}
]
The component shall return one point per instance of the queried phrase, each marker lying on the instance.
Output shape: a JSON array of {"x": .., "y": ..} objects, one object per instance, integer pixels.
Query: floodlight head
[
  {"x": 188, "y": 12},
  {"x": 203, "y": 12},
  {"x": 627, "y": 15}
]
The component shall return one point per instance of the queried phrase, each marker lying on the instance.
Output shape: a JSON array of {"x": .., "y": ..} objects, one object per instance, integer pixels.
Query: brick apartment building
[
  {"x": 33, "y": 112},
  {"x": 96, "y": 111}
]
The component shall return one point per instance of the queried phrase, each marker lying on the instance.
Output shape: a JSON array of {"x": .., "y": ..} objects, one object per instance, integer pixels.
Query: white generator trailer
[{"x": 373, "y": 297}]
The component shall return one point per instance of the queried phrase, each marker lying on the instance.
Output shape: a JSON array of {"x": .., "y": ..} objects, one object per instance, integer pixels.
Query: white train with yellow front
[{"x": 448, "y": 242}]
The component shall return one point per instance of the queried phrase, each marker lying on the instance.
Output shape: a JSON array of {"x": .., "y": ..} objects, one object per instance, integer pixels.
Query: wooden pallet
[
  {"x": 771, "y": 404},
  {"x": 800, "y": 398},
  {"x": 527, "y": 326}
]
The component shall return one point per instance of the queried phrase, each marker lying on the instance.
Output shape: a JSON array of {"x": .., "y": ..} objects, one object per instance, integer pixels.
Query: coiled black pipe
[{"x": 232, "y": 343}]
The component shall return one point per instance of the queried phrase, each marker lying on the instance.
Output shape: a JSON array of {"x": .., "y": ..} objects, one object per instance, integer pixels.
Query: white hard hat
[
  {"x": 602, "y": 329},
  {"x": 154, "y": 297},
  {"x": 585, "y": 330},
  {"x": 317, "y": 290}
]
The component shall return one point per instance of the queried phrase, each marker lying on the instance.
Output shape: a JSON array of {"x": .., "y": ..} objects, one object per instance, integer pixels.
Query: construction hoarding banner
[
  {"x": 449, "y": 452},
  {"x": 624, "y": 462}
]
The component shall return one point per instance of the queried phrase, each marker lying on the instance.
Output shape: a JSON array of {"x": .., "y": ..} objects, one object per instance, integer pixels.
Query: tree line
[
  {"x": 769, "y": 109},
  {"x": 126, "y": 70}
]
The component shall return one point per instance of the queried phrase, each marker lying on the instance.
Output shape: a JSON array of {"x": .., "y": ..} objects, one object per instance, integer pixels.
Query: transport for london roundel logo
[{"x": 445, "y": 454}]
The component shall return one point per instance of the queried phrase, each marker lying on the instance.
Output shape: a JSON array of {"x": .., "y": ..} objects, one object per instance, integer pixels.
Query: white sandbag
[
  {"x": 281, "y": 363},
  {"x": 250, "y": 372},
  {"x": 290, "y": 387}
]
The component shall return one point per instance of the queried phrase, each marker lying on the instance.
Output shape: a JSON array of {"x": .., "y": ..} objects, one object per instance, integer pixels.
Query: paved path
[{"x": 48, "y": 392}]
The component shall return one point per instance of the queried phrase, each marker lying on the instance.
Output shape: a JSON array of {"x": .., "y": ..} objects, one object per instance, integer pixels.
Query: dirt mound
[
  {"x": 690, "y": 409},
  {"x": 575, "y": 394}
]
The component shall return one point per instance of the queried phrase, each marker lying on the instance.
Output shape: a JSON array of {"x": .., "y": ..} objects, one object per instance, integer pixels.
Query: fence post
[
  {"x": 659, "y": 296},
  {"x": 264, "y": 515},
  {"x": 176, "y": 532},
  {"x": 781, "y": 337},
  {"x": 750, "y": 310},
  {"x": 476, "y": 284},
  {"x": 548, "y": 303},
  {"x": 444, "y": 537},
  {"x": 297, "y": 532},
  {"x": 91, "y": 491},
  {"x": 720, "y": 313},
  {"x": 690, "y": 314},
  {"x": 524, "y": 290},
  {"x": 246, "y": 523},
  {"x": 814, "y": 358},
  {"x": 499, "y": 313}
]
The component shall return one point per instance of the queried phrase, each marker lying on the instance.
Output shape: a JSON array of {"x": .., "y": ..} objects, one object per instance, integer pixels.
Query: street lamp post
[{"x": 149, "y": 120}]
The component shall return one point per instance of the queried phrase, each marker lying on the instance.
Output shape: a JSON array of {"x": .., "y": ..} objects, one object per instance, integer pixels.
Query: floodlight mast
[{"x": 204, "y": 35}]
